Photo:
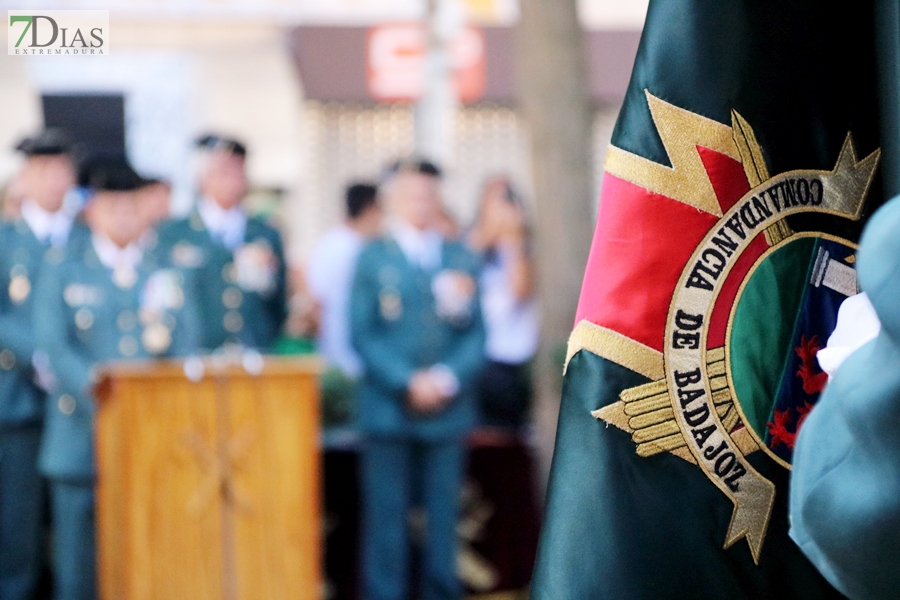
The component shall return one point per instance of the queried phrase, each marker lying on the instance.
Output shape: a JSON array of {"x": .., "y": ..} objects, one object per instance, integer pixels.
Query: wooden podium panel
[{"x": 208, "y": 489}]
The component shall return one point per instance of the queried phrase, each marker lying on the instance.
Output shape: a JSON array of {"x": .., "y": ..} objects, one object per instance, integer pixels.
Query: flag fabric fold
[{"x": 741, "y": 171}]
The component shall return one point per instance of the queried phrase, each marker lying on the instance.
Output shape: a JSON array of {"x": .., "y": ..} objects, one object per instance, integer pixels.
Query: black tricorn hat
[
  {"x": 218, "y": 143},
  {"x": 49, "y": 142},
  {"x": 111, "y": 175},
  {"x": 413, "y": 165}
]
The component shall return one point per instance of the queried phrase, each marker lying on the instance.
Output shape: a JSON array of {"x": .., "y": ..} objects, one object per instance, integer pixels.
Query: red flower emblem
[{"x": 813, "y": 382}]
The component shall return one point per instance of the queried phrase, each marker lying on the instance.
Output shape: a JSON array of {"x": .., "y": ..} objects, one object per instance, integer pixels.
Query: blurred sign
[{"x": 395, "y": 63}]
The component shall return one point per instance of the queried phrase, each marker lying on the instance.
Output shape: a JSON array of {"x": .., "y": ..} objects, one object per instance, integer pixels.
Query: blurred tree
[{"x": 553, "y": 94}]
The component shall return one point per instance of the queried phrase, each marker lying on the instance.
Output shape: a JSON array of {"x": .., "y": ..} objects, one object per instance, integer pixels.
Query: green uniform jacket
[
  {"x": 396, "y": 330},
  {"x": 21, "y": 260},
  {"x": 83, "y": 319},
  {"x": 233, "y": 310}
]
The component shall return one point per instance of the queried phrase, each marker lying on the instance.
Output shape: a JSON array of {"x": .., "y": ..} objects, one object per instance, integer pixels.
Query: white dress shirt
[
  {"x": 330, "y": 279},
  {"x": 48, "y": 227},
  {"x": 115, "y": 257},
  {"x": 511, "y": 325},
  {"x": 226, "y": 226},
  {"x": 421, "y": 247}
]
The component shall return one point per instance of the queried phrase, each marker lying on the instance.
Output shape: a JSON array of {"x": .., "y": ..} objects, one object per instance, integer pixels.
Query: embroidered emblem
[
  {"x": 256, "y": 267},
  {"x": 454, "y": 295},
  {"x": 733, "y": 377},
  {"x": 162, "y": 292}
]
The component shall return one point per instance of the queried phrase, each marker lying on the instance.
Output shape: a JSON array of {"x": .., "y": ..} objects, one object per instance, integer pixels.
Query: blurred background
[
  {"x": 320, "y": 91},
  {"x": 326, "y": 93}
]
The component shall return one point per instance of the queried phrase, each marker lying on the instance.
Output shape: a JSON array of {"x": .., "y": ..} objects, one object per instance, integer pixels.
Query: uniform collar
[
  {"x": 113, "y": 257},
  {"x": 421, "y": 247},
  {"x": 226, "y": 226},
  {"x": 48, "y": 227}
]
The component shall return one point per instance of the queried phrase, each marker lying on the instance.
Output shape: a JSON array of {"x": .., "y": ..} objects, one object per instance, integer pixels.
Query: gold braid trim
[{"x": 616, "y": 347}]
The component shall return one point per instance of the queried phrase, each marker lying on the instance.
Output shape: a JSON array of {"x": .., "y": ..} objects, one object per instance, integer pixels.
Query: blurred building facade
[{"x": 291, "y": 79}]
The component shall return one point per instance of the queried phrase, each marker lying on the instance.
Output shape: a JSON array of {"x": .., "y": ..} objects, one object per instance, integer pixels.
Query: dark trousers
[
  {"x": 21, "y": 512},
  {"x": 393, "y": 472},
  {"x": 74, "y": 560}
]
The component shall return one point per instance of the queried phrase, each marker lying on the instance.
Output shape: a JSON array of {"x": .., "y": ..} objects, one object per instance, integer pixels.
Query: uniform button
[
  {"x": 232, "y": 298},
  {"x": 84, "y": 318},
  {"x": 128, "y": 346},
  {"x": 233, "y": 321},
  {"x": 228, "y": 273},
  {"x": 7, "y": 360},
  {"x": 66, "y": 404},
  {"x": 126, "y": 320}
]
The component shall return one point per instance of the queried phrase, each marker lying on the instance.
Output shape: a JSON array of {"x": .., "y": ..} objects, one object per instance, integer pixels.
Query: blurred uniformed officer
[
  {"x": 238, "y": 260},
  {"x": 105, "y": 300},
  {"x": 416, "y": 323},
  {"x": 45, "y": 225}
]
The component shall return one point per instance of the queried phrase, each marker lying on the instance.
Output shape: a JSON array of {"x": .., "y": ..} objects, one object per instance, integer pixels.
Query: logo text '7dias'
[{"x": 57, "y": 32}]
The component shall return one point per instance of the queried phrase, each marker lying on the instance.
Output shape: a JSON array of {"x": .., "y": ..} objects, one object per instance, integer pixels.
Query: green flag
[{"x": 741, "y": 171}]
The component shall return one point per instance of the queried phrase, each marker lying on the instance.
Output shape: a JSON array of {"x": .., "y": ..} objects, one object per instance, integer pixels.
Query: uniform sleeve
[
  {"x": 72, "y": 371},
  {"x": 844, "y": 505},
  {"x": 16, "y": 334},
  {"x": 369, "y": 336}
]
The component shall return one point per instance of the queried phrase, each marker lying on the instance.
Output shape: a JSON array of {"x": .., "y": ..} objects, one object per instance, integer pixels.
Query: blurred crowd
[{"x": 427, "y": 329}]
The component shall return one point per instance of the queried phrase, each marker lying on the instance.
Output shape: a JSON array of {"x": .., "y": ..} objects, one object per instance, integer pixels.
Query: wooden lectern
[{"x": 208, "y": 486}]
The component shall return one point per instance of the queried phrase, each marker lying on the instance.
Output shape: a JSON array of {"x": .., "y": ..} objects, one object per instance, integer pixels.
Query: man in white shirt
[{"x": 330, "y": 275}]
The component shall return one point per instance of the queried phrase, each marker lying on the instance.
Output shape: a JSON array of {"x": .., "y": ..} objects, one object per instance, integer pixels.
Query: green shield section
[{"x": 763, "y": 326}]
